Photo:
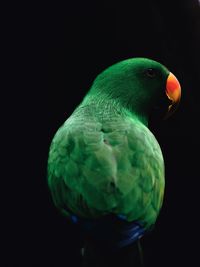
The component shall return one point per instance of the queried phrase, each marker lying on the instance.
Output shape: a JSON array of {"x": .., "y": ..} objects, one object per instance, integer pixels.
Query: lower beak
[{"x": 173, "y": 92}]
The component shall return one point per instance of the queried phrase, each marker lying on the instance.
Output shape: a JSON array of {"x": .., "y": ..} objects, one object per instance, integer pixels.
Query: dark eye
[{"x": 150, "y": 73}]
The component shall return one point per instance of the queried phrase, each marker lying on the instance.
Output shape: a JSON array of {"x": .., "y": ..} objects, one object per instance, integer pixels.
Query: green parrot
[{"x": 104, "y": 161}]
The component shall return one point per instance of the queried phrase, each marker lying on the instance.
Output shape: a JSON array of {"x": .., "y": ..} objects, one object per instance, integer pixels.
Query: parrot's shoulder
[
  {"x": 139, "y": 135},
  {"x": 71, "y": 146},
  {"x": 129, "y": 130}
]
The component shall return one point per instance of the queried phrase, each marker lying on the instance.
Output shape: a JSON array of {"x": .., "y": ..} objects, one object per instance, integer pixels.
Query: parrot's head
[{"x": 140, "y": 85}]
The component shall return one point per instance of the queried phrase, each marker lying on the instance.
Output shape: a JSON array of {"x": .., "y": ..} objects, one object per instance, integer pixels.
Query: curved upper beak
[{"x": 173, "y": 92}]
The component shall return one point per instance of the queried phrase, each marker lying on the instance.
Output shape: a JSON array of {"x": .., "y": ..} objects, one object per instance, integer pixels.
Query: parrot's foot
[{"x": 141, "y": 254}]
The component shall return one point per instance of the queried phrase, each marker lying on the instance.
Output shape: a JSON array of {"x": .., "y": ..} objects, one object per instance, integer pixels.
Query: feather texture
[{"x": 106, "y": 164}]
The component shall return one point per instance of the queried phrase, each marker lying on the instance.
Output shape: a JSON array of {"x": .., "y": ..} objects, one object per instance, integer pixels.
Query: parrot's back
[{"x": 106, "y": 163}]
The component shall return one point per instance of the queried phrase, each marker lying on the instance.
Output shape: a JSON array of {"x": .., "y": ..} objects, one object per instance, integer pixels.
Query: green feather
[{"x": 104, "y": 159}]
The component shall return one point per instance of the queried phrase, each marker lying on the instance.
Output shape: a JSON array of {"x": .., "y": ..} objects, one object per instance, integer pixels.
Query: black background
[{"x": 82, "y": 38}]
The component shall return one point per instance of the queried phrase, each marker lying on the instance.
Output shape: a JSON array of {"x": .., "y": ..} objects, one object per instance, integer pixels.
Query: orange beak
[{"x": 173, "y": 92}]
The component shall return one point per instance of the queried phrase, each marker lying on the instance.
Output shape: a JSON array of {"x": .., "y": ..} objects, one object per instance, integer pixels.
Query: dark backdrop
[{"x": 82, "y": 38}]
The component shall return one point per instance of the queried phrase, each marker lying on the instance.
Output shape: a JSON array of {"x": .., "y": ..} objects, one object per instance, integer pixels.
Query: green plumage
[{"x": 104, "y": 159}]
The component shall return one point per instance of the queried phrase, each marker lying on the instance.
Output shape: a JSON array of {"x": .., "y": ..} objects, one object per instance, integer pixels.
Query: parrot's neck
[{"x": 107, "y": 107}]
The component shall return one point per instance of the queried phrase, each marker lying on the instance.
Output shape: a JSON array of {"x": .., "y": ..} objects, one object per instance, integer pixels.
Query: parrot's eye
[{"x": 150, "y": 73}]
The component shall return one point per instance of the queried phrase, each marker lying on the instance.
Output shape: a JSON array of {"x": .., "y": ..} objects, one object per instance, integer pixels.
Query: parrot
[{"x": 105, "y": 168}]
